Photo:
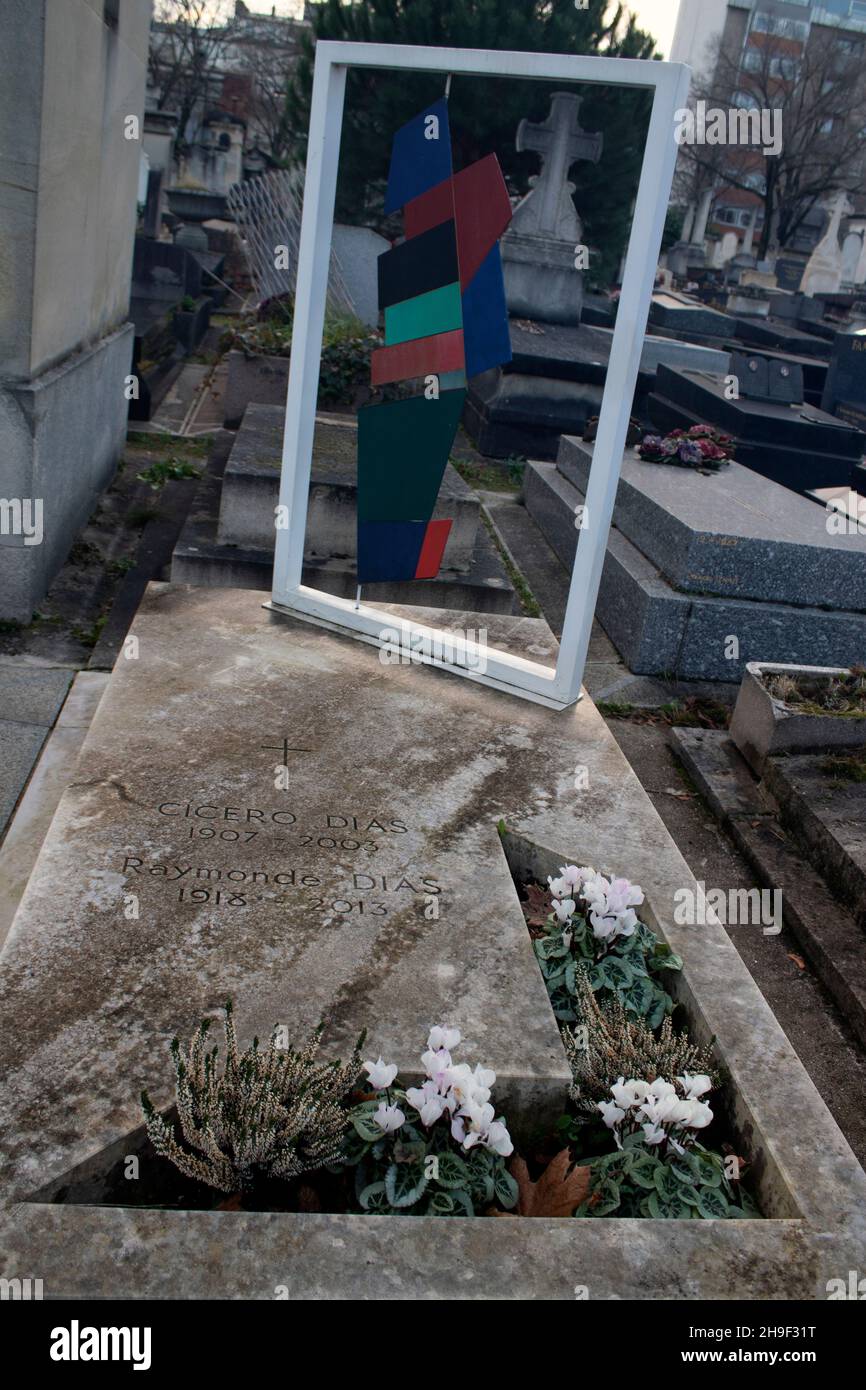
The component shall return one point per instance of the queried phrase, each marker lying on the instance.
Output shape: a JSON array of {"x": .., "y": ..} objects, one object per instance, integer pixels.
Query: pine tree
[{"x": 485, "y": 112}]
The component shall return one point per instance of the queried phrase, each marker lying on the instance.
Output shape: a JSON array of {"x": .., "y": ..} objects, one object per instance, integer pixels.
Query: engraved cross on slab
[
  {"x": 548, "y": 210},
  {"x": 285, "y": 749}
]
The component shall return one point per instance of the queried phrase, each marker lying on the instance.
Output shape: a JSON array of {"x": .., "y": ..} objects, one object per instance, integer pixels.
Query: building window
[{"x": 111, "y": 13}]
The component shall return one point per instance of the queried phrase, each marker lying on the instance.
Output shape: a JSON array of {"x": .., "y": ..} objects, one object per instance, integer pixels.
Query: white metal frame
[{"x": 669, "y": 83}]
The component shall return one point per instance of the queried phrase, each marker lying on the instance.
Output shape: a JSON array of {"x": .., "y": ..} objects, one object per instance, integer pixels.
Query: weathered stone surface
[
  {"x": 19, "y": 749},
  {"x": 734, "y": 533},
  {"x": 47, "y": 784},
  {"x": 659, "y": 630},
  {"x": 90, "y": 999},
  {"x": 829, "y": 934},
  {"x": 827, "y": 815},
  {"x": 763, "y": 726},
  {"x": 678, "y": 312},
  {"x": 251, "y": 488},
  {"x": 300, "y": 902}
]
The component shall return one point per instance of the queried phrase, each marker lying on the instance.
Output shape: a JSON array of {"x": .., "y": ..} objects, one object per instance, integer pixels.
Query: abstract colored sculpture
[{"x": 443, "y": 299}]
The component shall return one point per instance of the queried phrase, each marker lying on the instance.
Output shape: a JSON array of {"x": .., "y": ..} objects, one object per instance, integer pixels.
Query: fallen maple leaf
[
  {"x": 536, "y": 909},
  {"x": 558, "y": 1192}
]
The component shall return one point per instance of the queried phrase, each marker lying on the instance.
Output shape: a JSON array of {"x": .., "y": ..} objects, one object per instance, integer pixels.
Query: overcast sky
[{"x": 656, "y": 16}]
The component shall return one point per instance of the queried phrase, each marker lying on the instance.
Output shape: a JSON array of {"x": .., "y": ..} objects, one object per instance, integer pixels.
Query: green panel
[
  {"x": 438, "y": 311},
  {"x": 403, "y": 448}
]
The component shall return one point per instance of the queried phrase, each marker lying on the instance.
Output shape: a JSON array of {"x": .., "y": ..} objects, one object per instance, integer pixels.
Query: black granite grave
[
  {"x": 845, "y": 388},
  {"x": 675, "y": 313},
  {"x": 553, "y": 384},
  {"x": 780, "y": 334},
  {"x": 796, "y": 445},
  {"x": 814, "y": 369}
]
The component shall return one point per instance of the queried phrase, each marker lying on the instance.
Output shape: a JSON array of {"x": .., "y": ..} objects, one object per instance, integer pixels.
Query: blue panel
[
  {"x": 486, "y": 338},
  {"x": 389, "y": 549},
  {"x": 419, "y": 163}
]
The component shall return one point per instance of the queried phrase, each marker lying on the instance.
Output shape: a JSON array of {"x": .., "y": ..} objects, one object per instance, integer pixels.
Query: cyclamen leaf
[
  {"x": 505, "y": 1187},
  {"x": 373, "y": 1197},
  {"x": 616, "y": 973},
  {"x": 441, "y": 1204},
  {"x": 452, "y": 1171},
  {"x": 558, "y": 1191},
  {"x": 638, "y": 997},
  {"x": 712, "y": 1203},
  {"x": 366, "y": 1126},
  {"x": 707, "y": 1172},
  {"x": 404, "y": 1184}
]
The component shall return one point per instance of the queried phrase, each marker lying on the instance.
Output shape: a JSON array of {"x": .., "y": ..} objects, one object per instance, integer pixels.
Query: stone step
[
  {"x": 200, "y": 558},
  {"x": 734, "y": 533},
  {"x": 251, "y": 489},
  {"x": 827, "y": 816},
  {"x": 823, "y": 928},
  {"x": 660, "y": 631}
]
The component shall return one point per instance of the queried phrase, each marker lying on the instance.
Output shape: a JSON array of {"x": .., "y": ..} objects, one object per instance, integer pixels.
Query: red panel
[
  {"x": 435, "y": 540},
  {"x": 442, "y": 352},
  {"x": 429, "y": 210},
  {"x": 482, "y": 211}
]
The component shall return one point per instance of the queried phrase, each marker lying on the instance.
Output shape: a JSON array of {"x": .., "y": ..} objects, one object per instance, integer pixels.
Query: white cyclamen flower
[
  {"x": 653, "y": 1134},
  {"x": 611, "y": 1113},
  {"x": 621, "y": 894},
  {"x": 428, "y": 1101},
  {"x": 559, "y": 887},
  {"x": 696, "y": 1085},
  {"x": 564, "y": 910},
  {"x": 629, "y": 1093},
  {"x": 446, "y": 1038},
  {"x": 381, "y": 1074},
  {"x": 575, "y": 876},
  {"x": 389, "y": 1117},
  {"x": 701, "y": 1115},
  {"x": 499, "y": 1140}
]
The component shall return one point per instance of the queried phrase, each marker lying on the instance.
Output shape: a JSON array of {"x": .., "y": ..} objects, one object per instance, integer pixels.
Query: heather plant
[
  {"x": 272, "y": 1113},
  {"x": 437, "y": 1149},
  {"x": 611, "y": 1043},
  {"x": 593, "y": 923}
]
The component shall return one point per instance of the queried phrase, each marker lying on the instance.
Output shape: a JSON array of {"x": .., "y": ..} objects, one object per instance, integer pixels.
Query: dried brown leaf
[
  {"x": 558, "y": 1192},
  {"x": 536, "y": 909}
]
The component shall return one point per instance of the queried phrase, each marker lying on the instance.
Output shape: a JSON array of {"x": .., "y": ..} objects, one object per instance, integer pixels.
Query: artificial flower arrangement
[{"x": 702, "y": 447}]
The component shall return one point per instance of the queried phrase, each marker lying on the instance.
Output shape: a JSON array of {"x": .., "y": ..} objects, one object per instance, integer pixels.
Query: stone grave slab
[
  {"x": 555, "y": 383},
  {"x": 813, "y": 368},
  {"x": 662, "y": 630},
  {"x": 845, "y": 389},
  {"x": 91, "y": 999},
  {"x": 733, "y": 533},
  {"x": 251, "y": 487},
  {"x": 780, "y": 333},
  {"x": 798, "y": 446},
  {"x": 299, "y": 903},
  {"x": 669, "y": 310}
]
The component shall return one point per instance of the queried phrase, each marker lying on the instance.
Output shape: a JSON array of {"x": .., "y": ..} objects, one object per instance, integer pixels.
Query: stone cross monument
[
  {"x": 823, "y": 273},
  {"x": 539, "y": 249}
]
